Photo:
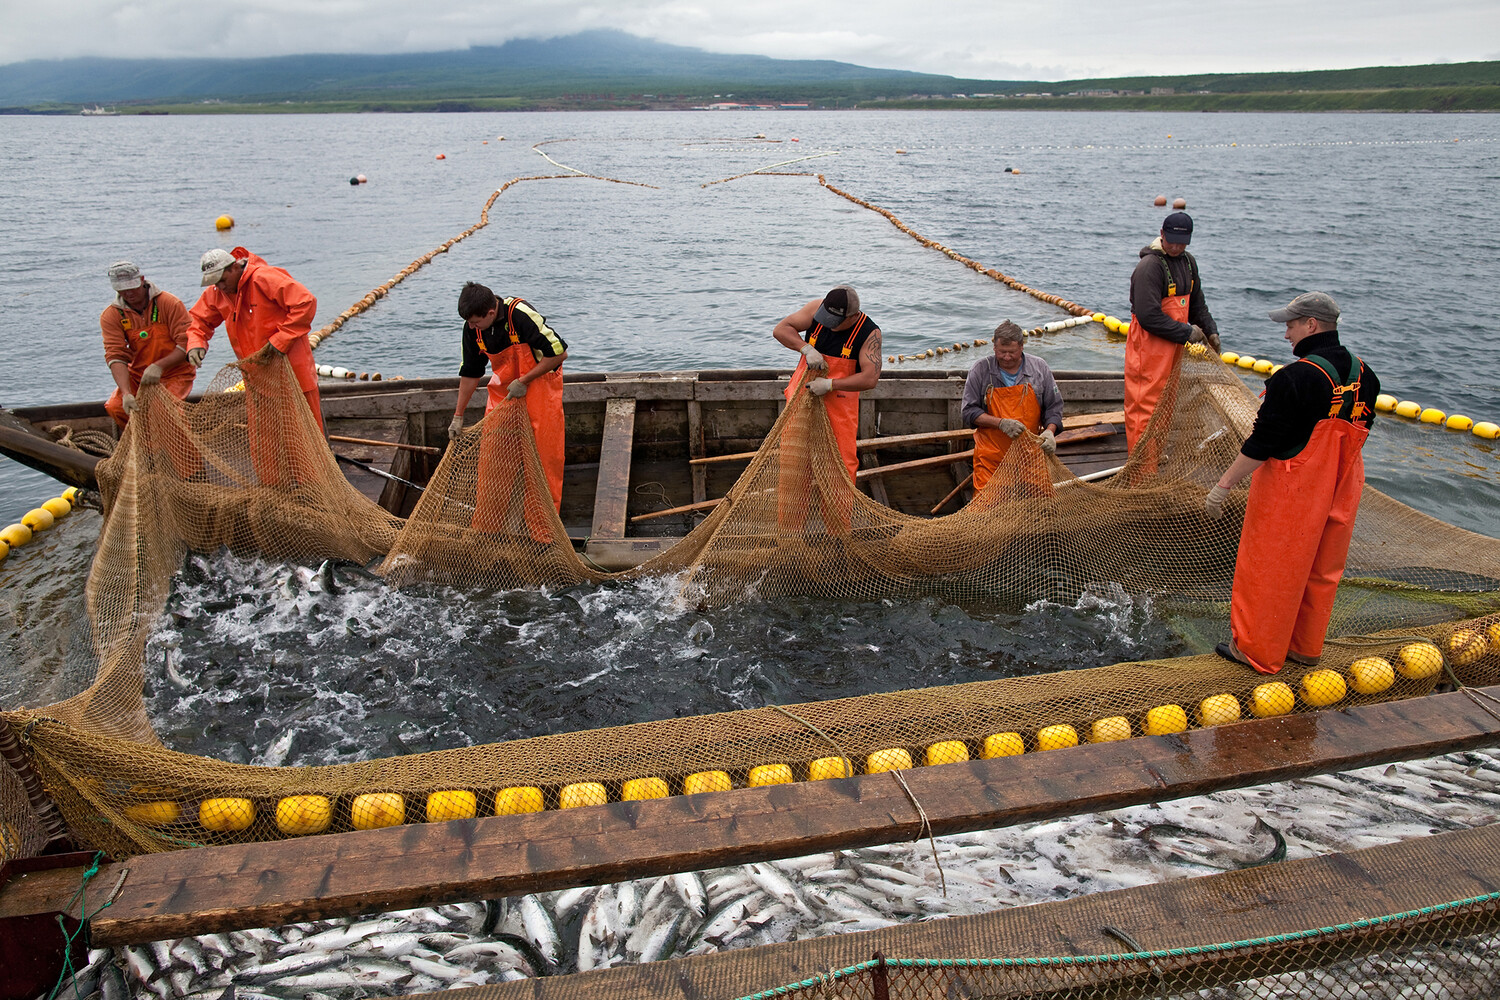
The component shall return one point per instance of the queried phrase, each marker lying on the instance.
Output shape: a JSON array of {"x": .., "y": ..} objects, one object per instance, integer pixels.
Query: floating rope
[
  {"x": 536, "y": 148},
  {"x": 765, "y": 170}
]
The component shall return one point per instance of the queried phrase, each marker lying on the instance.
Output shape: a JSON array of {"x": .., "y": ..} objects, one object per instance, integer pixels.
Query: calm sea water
[{"x": 1395, "y": 215}]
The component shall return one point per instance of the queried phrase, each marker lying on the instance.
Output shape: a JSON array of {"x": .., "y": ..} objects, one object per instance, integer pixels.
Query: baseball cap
[
  {"x": 213, "y": 264},
  {"x": 838, "y": 305},
  {"x": 1177, "y": 228},
  {"x": 123, "y": 276},
  {"x": 1318, "y": 305}
]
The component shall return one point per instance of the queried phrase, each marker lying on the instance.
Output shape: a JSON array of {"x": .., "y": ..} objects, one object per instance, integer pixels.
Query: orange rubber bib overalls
[
  {"x": 1149, "y": 361},
  {"x": 543, "y": 405},
  {"x": 1298, "y": 523},
  {"x": 796, "y": 479},
  {"x": 1018, "y": 402},
  {"x": 148, "y": 344},
  {"x": 843, "y": 407}
]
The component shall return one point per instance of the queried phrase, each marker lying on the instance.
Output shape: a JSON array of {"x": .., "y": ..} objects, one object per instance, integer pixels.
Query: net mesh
[{"x": 247, "y": 469}]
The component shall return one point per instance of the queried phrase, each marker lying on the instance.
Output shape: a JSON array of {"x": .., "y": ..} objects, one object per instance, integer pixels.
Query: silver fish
[
  {"x": 540, "y": 929},
  {"x": 337, "y": 938},
  {"x": 291, "y": 965},
  {"x": 391, "y": 944},
  {"x": 689, "y": 889},
  {"x": 139, "y": 965},
  {"x": 568, "y": 901},
  {"x": 660, "y": 940},
  {"x": 437, "y": 970},
  {"x": 777, "y": 886},
  {"x": 189, "y": 953}
]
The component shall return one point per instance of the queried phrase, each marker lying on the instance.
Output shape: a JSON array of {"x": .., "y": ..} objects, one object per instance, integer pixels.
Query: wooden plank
[
  {"x": 868, "y": 427},
  {"x": 697, "y": 449},
  {"x": 386, "y": 444},
  {"x": 261, "y": 884},
  {"x": 1305, "y": 894},
  {"x": 612, "y": 495},
  {"x": 626, "y": 553},
  {"x": 916, "y": 463}
]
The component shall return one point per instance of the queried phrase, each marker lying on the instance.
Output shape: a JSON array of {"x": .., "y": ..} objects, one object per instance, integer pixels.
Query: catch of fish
[{"x": 694, "y": 913}]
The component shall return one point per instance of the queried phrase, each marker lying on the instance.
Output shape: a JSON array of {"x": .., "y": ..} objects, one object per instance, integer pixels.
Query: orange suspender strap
[
  {"x": 510, "y": 320},
  {"x": 1345, "y": 403},
  {"x": 853, "y": 333}
]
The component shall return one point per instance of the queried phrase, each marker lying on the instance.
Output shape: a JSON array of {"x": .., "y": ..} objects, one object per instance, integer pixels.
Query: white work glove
[
  {"x": 127, "y": 403},
  {"x": 1213, "y": 506},
  {"x": 1196, "y": 336},
  {"x": 1049, "y": 442},
  {"x": 515, "y": 390},
  {"x": 151, "y": 375},
  {"x": 1213, "y": 342},
  {"x": 814, "y": 359},
  {"x": 455, "y": 426},
  {"x": 195, "y": 356},
  {"x": 1011, "y": 428},
  {"x": 820, "y": 386}
]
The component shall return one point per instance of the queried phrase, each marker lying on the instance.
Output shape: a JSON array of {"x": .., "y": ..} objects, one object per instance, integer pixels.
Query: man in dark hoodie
[{"x": 1167, "y": 311}]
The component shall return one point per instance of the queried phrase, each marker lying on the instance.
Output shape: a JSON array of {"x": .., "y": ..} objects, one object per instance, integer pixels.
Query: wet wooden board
[
  {"x": 612, "y": 495},
  {"x": 260, "y": 884}
]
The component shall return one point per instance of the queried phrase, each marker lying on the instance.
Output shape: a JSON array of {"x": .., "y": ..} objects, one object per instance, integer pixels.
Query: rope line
[
  {"x": 768, "y": 166},
  {"x": 67, "y": 972}
]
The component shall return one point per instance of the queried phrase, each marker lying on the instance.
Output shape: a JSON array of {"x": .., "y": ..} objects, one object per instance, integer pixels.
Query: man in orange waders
[
  {"x": 526, "y": 356},
  {"x": 1166, "y": 311},
  {"x": 145, "y": 340},
  {"x": 1305, "y": 453},
  {"x": 1008, "y": 394}
]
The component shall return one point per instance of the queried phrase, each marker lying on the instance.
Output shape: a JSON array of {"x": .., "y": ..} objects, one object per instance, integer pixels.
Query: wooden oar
[
  {"x": 956, "y": 490},
  {"x": 424, "y": 449}
]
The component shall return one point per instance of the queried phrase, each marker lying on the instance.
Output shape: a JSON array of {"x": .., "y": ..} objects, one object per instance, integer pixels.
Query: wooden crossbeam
[{"x": 612, "y": 495}]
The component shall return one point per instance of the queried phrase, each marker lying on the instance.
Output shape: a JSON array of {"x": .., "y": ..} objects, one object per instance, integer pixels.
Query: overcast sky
[{"x": 987, "y": 39}]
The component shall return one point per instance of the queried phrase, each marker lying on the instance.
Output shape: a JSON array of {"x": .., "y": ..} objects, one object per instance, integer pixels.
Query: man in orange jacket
[
  {"x": 263, "y": 308},
  {"x": 145, "y": 340},
  {"x": 1305, "y": 458}
]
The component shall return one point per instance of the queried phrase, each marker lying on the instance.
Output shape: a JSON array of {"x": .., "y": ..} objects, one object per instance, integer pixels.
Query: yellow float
[
  {"x": 60, "y": 508},
  {"x": 1466, "y": 646},
  {"x": 946, "y": 752},
  {"x": 298, "y": 815},
  {"x": 1385, "y": 402},
  {"x": 1263, "y": 366},
  {"x": 1488, "y": 431},
  {"x": 706, "y": 781},
  {"x": 1116, "y": 727},
  {"x": 377, "y": 810},
  {"x": 1229, "y": 357},
  {"x": 517, "y": 800},
  {"x": 226, "y": 815},
  {"x": 1419, "y": 660},
  {"x": 1273, "y": 698},
  {"x": 638, "y": 789},
  {"x": 224, "y": 223},
  {"x": 447, "y": 805},
  {"x": 1432, "y": 415},
  {"x": 1002, "y": 745},
  {"x": 1056, "y": 738},
  {"x": 153, "y": 813},
  {"x": 825, "y": 768},
  {"x": 582, "y": 793},
  {"x": 1458, "y": 422},
  {"x": 770, "y": 774},
  {"x": 1218, "y": 709},
  {"x": 1407, "y": 408},
  {"x": 4, "y": 549},
  {"x": 38, "y": 519},
  {"x": 1246, "y": 361},
  {"x": 1371, "y": 674},
  {"x": 891, "y": 759},
  {"x": 1165, "y": 719},
  {"x": 1322, "y": 688}
]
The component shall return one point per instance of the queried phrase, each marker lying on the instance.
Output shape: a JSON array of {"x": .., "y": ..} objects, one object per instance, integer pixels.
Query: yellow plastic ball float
[
  {"x": 1263, "y": 366},
  {"x": 1098, "y": 317},
  {"x": 4, "y": 550},
  {"x": 1458, "y": 422},
  {"x": 582, "y": 793},
  {"x": 376, "y": 810},
  {"x": 60, "y": 508},
  {"x": 15, "y": 535},
  {"x": 891, "y": 759},
  {"x": 1229, "y": 357},
  {"x": 38, "y": 519},
  {"x": 946, "y": 752},
  {"x": 1466, "y": 646},
  {"x": 1407, "y": 408},
  {"x": 224, "y": 223},
  {"x": 1371, "y": 675},
  {"x": 1056, "y": 738},
  {"x": 1494, "y": 635},
  {"x": 1322, "y": 688},
  {"x": 1271, "y": 699},
  {"x": 1165, "y": 719},
  {"x": 298, "y": 815},
  {"x": 1432, "y": 415},
  {"x": 1246, "y": 361},
  {"x": 226, "y": 815},
  {"x": 1385, "y": 402},
  {"x": 770, "y": 774},
  {"x": 448, "y": 805},
  {"x": 1218, "y": 709},
  {"x": 70, "y": 494},
  {"x": 639, "y": 789},
  {"x": 1116, "y": 727},
  {"x": 825, "y": 768},
  {"x": 1487, "y": 430},
  {"x": 706, "y": 781},
  {"x": 1002, "y": 745},
  {"x": 518, "y": 800},
  {"x": 153, "y": 813},
  {"x": 1419, "y": 660}
]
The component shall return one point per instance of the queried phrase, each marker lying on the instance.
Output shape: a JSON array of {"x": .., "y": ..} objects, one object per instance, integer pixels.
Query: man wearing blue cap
[{"x": 1167, "y": 311}]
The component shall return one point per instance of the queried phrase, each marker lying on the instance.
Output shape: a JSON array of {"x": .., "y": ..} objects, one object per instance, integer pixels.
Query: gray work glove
[
  {"x": 455, "y": 426},
  {"x": 820, "y": 386},
  {"x": 1213, "y": 506},
  {"x": 1213, "y": 342},
  {"x": 814, "y": 359},
  {"x": 195, "y": 356},
  {"x": 151, "y": 375},
  {"x": 1011, "y": 428},
  {"x": 1196, "y": 337},
  {"x": 1049, "y": 442},
  {"x": 127, "y": 403},
  {"x": 515, "y": 390}
]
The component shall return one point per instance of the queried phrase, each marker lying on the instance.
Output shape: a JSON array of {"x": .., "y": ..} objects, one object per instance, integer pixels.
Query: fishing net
[{"x": 248, "y": 470}]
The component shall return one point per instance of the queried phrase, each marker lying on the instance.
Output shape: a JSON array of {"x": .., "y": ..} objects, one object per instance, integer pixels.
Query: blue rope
[
  {"x": 1137, "y": 956},
  {"x": 81, "y": 898}
]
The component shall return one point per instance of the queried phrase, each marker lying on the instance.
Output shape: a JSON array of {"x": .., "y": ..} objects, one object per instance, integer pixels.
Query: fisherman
[
  {"x": 264, "y": 309},
  {"x": 1305, "y": 454},
  {"x": 145, "y": 340},
  {"x": 1167, "y": 310},
  {"x": 526, "y": 356},
  {"x": 1008, "y": 394},
  {"x": 843, "y": 344}
]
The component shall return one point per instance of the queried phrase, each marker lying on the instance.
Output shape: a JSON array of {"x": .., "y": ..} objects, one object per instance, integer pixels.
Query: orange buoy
[
  {"x": 442, "y": 156},
  {"x": 1179, "y": 203},
  {"x": 1161, "y": 201}
]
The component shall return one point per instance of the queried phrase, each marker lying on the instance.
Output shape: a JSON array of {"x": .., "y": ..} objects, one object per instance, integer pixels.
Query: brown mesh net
[{"x": 248, "y": 470}]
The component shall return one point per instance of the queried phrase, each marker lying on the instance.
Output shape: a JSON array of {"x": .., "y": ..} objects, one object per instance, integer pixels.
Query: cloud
[{"x": 986, "y": 39}]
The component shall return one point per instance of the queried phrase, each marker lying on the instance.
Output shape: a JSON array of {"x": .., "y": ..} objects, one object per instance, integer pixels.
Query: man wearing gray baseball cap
[
  {"x": 145, "y": 340},
  {"x": 1304, "y": 457}
]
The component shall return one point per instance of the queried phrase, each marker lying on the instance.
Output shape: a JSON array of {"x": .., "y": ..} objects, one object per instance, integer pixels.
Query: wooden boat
[{"x": 646, "y": 452}]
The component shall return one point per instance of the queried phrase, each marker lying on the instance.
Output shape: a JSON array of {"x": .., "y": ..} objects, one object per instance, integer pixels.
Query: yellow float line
[{"x": 36, "y": 521}]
